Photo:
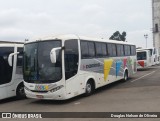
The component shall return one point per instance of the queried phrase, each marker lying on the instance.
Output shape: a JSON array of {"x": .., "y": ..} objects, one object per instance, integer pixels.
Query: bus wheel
[
  {"x": 89, "y": 88},
  {"x": 125, "y": 76},
  {"x": 20, "y": 92}
]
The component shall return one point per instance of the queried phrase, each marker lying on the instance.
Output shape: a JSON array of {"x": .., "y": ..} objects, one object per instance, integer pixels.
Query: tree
[{"x": 119, "y": 37}]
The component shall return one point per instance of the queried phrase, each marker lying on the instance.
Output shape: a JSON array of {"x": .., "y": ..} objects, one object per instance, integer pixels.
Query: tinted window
[
  {"x": 20, "y": 57},
  {"x": 127, "y": 50},
  {"x": 120, "y": 50},
  {"x": 109, "y": 47},
  {"x": 114, "y": 50},
  {"x": 101, "y": 49},
  {"x": 47, "y": 71},
  {"x": 71, "y": 58},
  {"x": 5, "y": 69},
  {"x": 84, "y": 49},
  {"x": 141, "y": 56},
  {"x": 91, "y": 49},
  {"x": 87, "y": 49},
  {"x": 38, "y": 67},
  {"x": 104, "y": 49},
  {"x": 133, "y": 50},
  {"x": 19, "y": 60},
  {"x": 98, "y": 49}
]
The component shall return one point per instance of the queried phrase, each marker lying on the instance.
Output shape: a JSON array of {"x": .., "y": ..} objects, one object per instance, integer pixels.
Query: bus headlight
[
  {"x": 26, "y": 88},
  {"x": 56, "y": 88}
]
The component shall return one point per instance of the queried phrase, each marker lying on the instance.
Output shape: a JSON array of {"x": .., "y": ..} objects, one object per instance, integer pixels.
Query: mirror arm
[
  {"x": 53, "y": 54},
  {"x": 10, "y": 57}
]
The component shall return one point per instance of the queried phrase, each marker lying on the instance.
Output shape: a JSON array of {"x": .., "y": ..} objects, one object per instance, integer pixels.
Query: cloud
[
  {"x": 97, "y": 18},
  {"x": 9, "y": 17}
]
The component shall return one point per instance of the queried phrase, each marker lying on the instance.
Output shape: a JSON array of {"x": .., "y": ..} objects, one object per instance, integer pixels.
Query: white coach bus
[
  {"x": 144, "y": 58},
  {"x": 62, "y": 67},
  {"x": 11, "y": 76},
  {"x": 154, "y": 55}
]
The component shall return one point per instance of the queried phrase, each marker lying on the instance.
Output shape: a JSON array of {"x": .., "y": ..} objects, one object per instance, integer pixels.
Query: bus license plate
[
  {"x": 39, "y": 96},
  {"x": 41, "y": 87}
]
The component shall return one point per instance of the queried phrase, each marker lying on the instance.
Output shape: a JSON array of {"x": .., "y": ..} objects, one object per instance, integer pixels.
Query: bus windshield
[
  {"x": 5, "y": 69},
  {"x": 141, "y": 56},
  {"x": 37, "y": 64}
]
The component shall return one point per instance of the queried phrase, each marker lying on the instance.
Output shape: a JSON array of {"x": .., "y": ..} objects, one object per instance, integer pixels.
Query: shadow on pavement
[
  {"x": 12, "y": 99},
  {"x": 63, "y": 102}
]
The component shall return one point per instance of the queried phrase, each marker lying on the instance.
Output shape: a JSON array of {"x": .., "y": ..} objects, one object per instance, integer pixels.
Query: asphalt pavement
[{"x": 141, "y": 93}]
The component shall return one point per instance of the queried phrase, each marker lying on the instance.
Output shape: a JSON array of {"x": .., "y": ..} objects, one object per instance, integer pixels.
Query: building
[{"x": 156, "y": 23}]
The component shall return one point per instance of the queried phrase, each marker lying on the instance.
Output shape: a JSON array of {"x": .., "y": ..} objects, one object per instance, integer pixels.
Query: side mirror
[
  {"x": 53, "y": 54},
  {"x": 10, "y": 58}
]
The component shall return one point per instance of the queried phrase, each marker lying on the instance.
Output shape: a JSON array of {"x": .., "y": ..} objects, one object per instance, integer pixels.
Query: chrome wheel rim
[{"x": 88, "y": 88}]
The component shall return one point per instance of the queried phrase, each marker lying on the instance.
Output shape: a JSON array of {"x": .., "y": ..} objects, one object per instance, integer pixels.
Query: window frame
[
  {"x": 88, "y": 56},
  {"x": 102, "y": 54}
]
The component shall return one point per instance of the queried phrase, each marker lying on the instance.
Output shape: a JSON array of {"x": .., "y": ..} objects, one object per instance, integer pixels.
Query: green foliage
[{"x": 119, "y": 37}]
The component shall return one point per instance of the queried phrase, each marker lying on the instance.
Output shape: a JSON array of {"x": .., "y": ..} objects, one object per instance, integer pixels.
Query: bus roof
[
  {"x": 72, "y": 36},
  {"x": 10, "y": 42},
  {"x": 142, "y": 50}
]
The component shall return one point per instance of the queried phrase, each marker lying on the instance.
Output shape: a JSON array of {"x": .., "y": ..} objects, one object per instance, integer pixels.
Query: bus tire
[
  {"x": 90, "y": 87},
  {"x": 125, "y": 76},
  {"x": 20, "y": 94}
]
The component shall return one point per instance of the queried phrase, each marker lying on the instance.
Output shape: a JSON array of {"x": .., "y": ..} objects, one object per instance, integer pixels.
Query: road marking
[
  {"x": 77, "y": 103},
  {"x": 154, "y": 67},
  {"x": 143, "y": 76}
]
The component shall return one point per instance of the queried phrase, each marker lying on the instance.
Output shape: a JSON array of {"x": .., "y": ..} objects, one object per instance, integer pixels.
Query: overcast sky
[{"x": 26, "y": 19}]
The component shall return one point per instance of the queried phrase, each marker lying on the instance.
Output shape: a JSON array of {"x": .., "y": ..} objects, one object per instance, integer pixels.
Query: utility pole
[{"x": 146, "y": 36}]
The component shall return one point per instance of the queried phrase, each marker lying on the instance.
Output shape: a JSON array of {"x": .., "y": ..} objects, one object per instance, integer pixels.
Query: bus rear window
[{"x": 141, "y": 56}]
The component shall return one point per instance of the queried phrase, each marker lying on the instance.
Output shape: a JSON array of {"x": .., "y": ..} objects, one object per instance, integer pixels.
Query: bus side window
[
  {"x": 133, "y": 50},
  {"x": 84, "y": 49},
  {"x": 114, "y": 52},
  {"x": 87, "y": 49},
  {"x": 122, "y": 50},
  {"x": 118, "y": 50},
  {"x": 104, "y": 50},
  {"x": 127, "y": 50},
  {"x": 19, "y": 60},
  {"x": 101, "y": 50},
  {"x": 109, "y": 47},
  {"x": 91, "y": 49},
  {"x": 98, "y": 49},
  {"x": 71, "y": 58}
]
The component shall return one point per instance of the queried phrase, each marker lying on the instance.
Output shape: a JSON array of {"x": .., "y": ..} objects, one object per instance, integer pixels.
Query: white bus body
[
  {"x": 11, "y": 77},
  {"x": 154, "y": 56},
  {"x": 144, "y": 58},
  {"x": 62, "y": 67}
]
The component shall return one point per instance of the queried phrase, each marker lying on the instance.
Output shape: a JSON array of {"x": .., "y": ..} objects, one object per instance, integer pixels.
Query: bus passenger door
[
  {"x": 71, "y": 59},
  {"x": 5, "y": 71},
  {"x": 17, "y": 72}
]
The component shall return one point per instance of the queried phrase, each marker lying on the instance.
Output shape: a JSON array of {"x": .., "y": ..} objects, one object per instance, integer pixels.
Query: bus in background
[
  {"x": 154, "y": 56},
  {"x": 62, "y": 67},
  {"x": 143, "y": 58},
  {"x": 11, "y": 78}
]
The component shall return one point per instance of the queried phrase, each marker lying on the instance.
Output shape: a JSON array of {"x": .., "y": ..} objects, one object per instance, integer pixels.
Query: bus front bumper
[{"x": 58, "y": 95}]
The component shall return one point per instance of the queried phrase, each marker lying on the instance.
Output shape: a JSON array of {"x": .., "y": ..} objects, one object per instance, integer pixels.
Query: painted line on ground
[
  {"x": 77, "y": 103},
  {"x": 143, "y": 76}
]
